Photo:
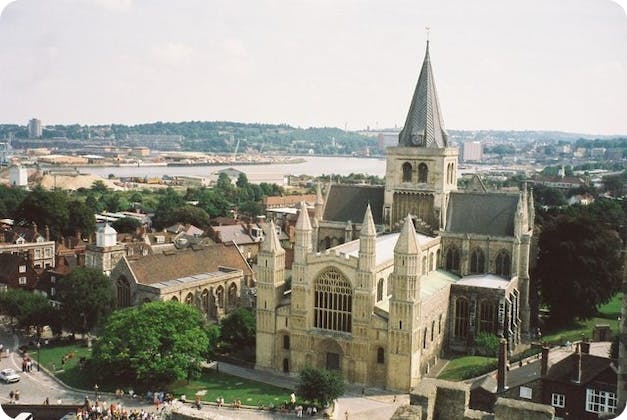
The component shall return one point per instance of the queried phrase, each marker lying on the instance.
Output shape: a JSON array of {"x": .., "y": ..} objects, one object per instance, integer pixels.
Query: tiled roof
[
  {"x": 567, "y": 369},
  {"x": 288, "y": 200},
  {"x": 349, "y": 202},
  {"x": 158, "y": 268},
  {"x": 10, "y": 235},
  {"x": 482, "y": 213},
  {"x": 424, "y": 126},
  {"x": 234, "y": 233}
]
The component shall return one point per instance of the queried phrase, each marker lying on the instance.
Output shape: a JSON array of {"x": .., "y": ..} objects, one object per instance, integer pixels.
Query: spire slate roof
[
  {"x": 367, "y": 227},
  {"x": 319, "y": 199},
  {"x": 271, "y": 242},
  {"x": 303, "y": 222},
  {"x": 407, "y": 242},
  {"x": 424, "y": 126}
]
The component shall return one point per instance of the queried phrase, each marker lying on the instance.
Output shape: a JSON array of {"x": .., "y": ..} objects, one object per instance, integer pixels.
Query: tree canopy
[
  {"x": 155, "y": 343},
  {"x": 87, "y": 298},
  {"x": 320, "y": 385},
  {"x": 27, "y": 308},
  {"x": 238, "y": 328},
  {"x": 579, "y": 266},
  {"x": 46, "y": 208}
]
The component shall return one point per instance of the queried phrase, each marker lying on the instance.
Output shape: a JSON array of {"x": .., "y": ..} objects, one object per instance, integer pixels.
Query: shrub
[{"x": 487, "y": 343}]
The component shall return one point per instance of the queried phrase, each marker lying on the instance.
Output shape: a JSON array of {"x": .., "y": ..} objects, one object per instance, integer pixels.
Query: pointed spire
[
  {"x": 424, "y": 126},
  {"x": 367, "y": 226},
  {"x": 271, "y": 242},
  {"x": 303, "y": 222},
  {"x": 407, "y": 242}
]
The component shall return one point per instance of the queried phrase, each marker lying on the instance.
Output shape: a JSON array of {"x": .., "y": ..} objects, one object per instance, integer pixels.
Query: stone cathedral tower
[{"x": 422, "y": 169}]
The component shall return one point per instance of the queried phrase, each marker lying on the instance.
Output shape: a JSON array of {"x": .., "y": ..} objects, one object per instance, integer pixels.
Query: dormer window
[
  {"x": 22, "y": 269},
  {"x": 160, "y": 239},
  {"x": 20, "y": 240},
  {"x": 40, "y": 239}
]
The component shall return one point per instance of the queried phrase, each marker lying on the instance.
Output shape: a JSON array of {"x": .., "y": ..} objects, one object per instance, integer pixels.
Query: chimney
[
  {"x": 47, "y": 233},
  {"x": 544, "y": 362},
  {"x": 78, "y": 236},
  {"x": 585, "y": 347},
  {"x": 578, "y": 377},
  {"x": 501, "y": 373},
  {"x": 35, "y": 228}
]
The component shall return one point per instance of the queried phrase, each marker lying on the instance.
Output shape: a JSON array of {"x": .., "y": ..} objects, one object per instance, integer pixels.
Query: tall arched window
[
  {"x": 189, "y": 299},
  {"x": 431, "y": 261},
  {"x": 380, "y": 290},
  {"x": 123, "y": 292},
  {"x": 232, "y": 296},
  {"x": 174, "y": 299},
  {"x": 286, "y": 342},
  {"x": 423, "y": 172},
  {"x": 424, "y": 265},
  {"x": 406, "y": 172},
  {"x": 503, "y": 264},
  {"x": 333, "y": 302},
  {"x": 220, "y": 296},
  {"x": 487, "y": 317},
  {"x": 438, "y": 261},
  {"x": 204, "y": 298},
  {"x": 380, "y": 355},
  {"x": 477, "y": 261},
  {"x": 461, "y": 318},
  {"x": 452, "y": 259}
]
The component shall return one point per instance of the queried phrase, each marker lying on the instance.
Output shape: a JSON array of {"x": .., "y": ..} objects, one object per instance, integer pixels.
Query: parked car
[{"x": 9, "y": 375}]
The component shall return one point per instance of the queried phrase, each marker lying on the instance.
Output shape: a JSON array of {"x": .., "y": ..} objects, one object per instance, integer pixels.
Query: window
[
  {"x": 452, "y": 259},
  {"x": 52, "y": 291},
  {"x": 380, "y": 290},
  {"x": 526, "y": 392},
  {"x": 53, "y": 279},
  {"x": 487, "y": 318},
  {"x": 432, "y": 329},
  {"x": 333, "y": 302},
  {"x": 423, "y": 172},
  {"x": 38, "y": 253},
  {"x": 502, "y": 264},
  {"x": 22, "y": 269},
  {"x": 477, "y": 261},
  {"x": 440, "y": 324},
  {"x": 406, "y": 172},
  {"x": 380, "y": 355},
  {"x": 47, "y": 252},
  {"x": 461, "y": 317},
  {"x": 123, "y": 289},
  {"x": 600, "y": 401},
  {"x": 431, "y": 260},
  {"x": 286, "y": 342},
  {"x": 558, "y": 400},
  {"x": 189, "y": 299},
  {"x": 424, "y": 265},
  {"x": 424, "y": 339},
  {"x": 232, "y": 295},
  {"x": 22, "y": 281}
]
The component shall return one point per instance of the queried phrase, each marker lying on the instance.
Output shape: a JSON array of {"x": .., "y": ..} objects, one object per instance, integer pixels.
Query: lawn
[
  {"x": 465, "y": 367},
  {"x": 607, "y": 314},
  {"x": 211, "y": 384}
]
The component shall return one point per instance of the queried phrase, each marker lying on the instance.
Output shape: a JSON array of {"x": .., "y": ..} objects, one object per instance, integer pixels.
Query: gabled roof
[
  {"x": 349, "y": 202},
  {"x": 10, "y": 235},
  {"x": 234, "y": 233},
  {"x": 424, "y": 126},
  {"x": 481, "y": 213},
  {"x": 566, "y": 370},
  {"x": 157, "y": 268}
]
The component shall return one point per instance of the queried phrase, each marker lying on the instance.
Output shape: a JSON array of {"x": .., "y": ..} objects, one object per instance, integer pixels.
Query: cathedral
[{"x": 386, "y": 278}]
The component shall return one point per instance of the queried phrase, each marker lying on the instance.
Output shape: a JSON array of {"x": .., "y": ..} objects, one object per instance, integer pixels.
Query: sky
[{"x": 498, "y": 64}]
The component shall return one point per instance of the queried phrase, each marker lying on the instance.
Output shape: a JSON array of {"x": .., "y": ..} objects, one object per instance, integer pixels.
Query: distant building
[
  {"x": 35, "y": 129},
  {"x": 23, "y": 240},
  {"x": 472, "y": 151},
  {"x": 5, "y": 152},
  {"x": 106, "y": 253},
  {"x": 18, "y": 176}
]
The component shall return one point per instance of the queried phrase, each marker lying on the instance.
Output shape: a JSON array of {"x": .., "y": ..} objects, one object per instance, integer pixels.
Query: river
[{"x": 313, "y": 165}]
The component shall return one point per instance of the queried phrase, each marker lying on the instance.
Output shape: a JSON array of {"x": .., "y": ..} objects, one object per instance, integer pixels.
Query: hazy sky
[{"x": 500, "y": 64}]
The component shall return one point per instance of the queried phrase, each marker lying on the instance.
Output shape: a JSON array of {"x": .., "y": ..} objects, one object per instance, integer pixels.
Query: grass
[
  {"x": 607, "y": 314},
  {"x": 465, "y": 367},
  {"x": 210, "y": 384}
]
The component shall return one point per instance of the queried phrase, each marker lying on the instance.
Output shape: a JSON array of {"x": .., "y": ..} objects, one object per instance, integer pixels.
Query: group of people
[
  {"x": 98, "y": 411},
  {"x": 27, "y": 363},
  {"x": 14, "y": 396}
]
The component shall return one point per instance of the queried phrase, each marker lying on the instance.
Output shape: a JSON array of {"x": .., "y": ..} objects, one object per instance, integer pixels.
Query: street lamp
[
  {"x": 38, "y": 365},
  {"x": 96, "y": 391}
]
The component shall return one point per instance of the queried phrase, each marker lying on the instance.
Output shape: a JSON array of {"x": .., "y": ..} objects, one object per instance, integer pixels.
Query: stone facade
[{"x": 381, "y": 305}]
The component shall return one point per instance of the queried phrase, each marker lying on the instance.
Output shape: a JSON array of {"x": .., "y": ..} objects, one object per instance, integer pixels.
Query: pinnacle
[
  {"x": 367, "y": 226},
  {"x": 407, "y": 242},
  {"x": 303, "y": 222},
  {"x": 271, "y": 242}
]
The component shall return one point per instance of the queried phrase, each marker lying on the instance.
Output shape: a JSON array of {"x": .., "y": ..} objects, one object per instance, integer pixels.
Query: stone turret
[
  {"x": 302, "y": 246},
  {"x": 367, "y": 242}
]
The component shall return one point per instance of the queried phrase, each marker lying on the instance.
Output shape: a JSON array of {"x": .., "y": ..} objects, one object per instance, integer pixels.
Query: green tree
[
  {"x": 548, "y": 196},
  {"x": 157, "y": 343},
  {"x": 99, "y": 186},
  {"x": 26, "y": 308},
  {"x": 242, "y": 181},
  {"x": 224, "y": 183},
  {"x": 320, "y": 385},
  {"x": 10, "y": 199},
  {"x": 46, "y": 208},
  {"x": 238, "y": 328},
  {"x": 87, "y": 298},
  {"x": 169, "y": 201},
  {"x": 190, "y": 214},
  {"x": 126, "y": 225},
  {"x": 81, "y": 218},
  {"x": 579, "y": 266}
]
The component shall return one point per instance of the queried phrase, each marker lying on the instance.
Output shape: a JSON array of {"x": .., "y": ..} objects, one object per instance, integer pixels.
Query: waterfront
[{"x": 312, "y": 165}]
